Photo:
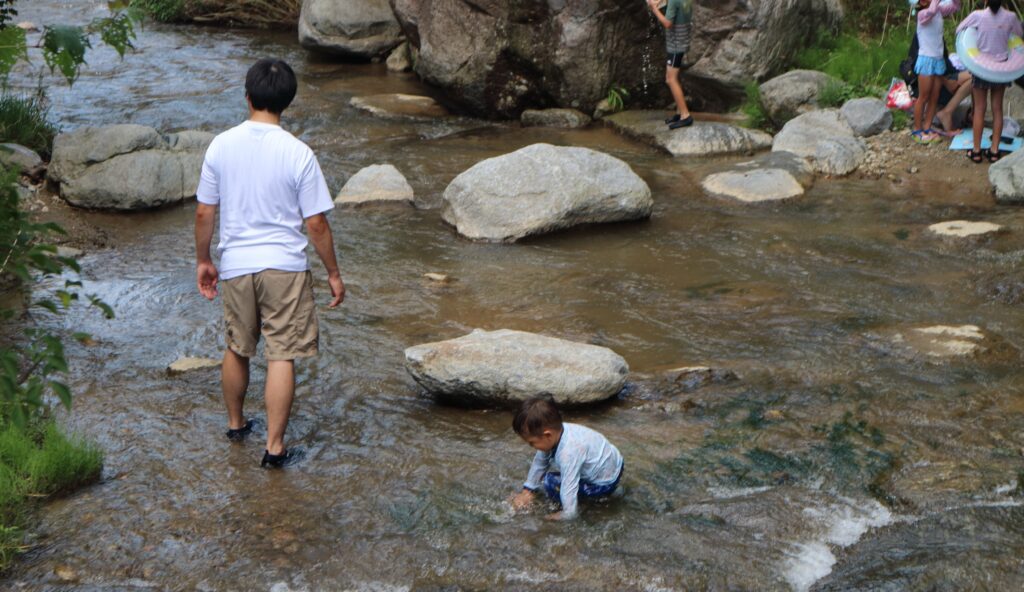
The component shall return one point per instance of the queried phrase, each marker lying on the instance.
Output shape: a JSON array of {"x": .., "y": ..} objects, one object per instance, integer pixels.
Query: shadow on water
[{"x": 838, "y": 456}]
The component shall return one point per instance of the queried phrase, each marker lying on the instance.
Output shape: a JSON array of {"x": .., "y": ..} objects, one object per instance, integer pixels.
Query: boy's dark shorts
[{"x": 675, "y": 60}]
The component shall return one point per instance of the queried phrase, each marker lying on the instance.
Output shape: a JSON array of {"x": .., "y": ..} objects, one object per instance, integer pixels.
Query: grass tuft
[{"x": 25, "y": 120}]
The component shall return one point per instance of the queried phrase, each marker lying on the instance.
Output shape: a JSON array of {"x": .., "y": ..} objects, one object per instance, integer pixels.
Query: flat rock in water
[
  {"x": 189, "y": 364},
  {"x": 690, "y": 378},
  {"x": 361, "y": 29},
  {"x": 127, "y": 167},
  {"x": 700, "y": 139},
  {"x": 1007, "y": 178},
  {"x": 964, "y": 229},
  {"x": 867, "y": 116},
  {"x": 943, "y": 341},
  {"x": 826, "y": 139},
  {"x": 794, "y": 93},
  {"x": 542, "y": 188},
  {"x": 400, "y": 106},
  {"x": 505, "y": 367},
  {"x": 758, "y": 185},
  {"x": 564, "y": 118},
  {"x": 440, "y": 278},
  {"x": 379, "y": 183},
  {"x": 16, "y": 156}
]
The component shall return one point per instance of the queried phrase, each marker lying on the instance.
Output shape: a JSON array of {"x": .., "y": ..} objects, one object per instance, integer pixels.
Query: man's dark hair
[
  {"x": 536, "y": 415},
  {"x": 270, "y": 84}
]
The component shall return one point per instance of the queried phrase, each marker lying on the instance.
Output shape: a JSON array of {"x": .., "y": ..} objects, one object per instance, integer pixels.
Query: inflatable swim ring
[{"x": 982, "y": 65}]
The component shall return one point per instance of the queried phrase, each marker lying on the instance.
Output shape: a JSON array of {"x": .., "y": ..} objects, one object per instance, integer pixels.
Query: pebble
[
  {"x": 913, "y": 170},
  {"x": 65, "y": 573},
  {"x": 436, "y": 277}
]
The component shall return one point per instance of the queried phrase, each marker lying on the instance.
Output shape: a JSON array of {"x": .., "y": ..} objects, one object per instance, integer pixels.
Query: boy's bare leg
[
  {"x": 945, "y": 114},
  {"x": 672, "y": 79},
  {"x": 280, "y": 391},
  {"x": 234, "y": 381}
]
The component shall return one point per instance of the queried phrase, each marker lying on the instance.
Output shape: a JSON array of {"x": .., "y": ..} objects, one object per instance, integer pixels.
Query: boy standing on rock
[
  {"x": 266, "y": 183},
  {"x": 677, "y": 21}
]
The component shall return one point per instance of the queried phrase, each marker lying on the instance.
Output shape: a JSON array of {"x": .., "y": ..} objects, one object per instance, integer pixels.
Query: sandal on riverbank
[
  {"x": 921, "y": 137},
  {"x": 993, "y": 157},
  {"x": 279, "y": 461},
  {"x": 976, "y": 157},
  {"x": 237, "y": 435},
  {"x": 935, "y": 135}
]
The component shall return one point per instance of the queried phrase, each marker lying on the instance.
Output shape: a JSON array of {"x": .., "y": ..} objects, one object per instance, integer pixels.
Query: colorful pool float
[{"x": 983, "y": 65}]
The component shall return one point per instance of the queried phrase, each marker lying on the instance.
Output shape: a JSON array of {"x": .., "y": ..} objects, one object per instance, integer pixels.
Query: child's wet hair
[
  {"x": 271, "y": 85},
  {"x": 537, "y": 414}
]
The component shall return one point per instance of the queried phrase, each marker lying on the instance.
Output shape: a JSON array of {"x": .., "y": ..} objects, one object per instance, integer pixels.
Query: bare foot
[{"x": 946, "y": 119}]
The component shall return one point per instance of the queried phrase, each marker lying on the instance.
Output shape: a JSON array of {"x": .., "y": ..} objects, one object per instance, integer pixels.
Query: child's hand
[{"x": 522, "y": 500}]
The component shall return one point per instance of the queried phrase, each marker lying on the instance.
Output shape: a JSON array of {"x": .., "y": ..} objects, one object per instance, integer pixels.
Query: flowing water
[{"x": 838, "y": 460}]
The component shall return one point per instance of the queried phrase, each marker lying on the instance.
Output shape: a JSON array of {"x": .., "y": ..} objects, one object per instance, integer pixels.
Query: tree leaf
[
  {"x": 64, "y": 49},
  {"x": 63, "y": 393},
  {"x": 12, "y": 49}
]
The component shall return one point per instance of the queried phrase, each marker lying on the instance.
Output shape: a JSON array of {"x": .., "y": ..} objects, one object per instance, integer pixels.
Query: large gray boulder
[
  {"x": 127, "y": 167},
  {"x": 19, "y": 158},
  {"x": 378, "y": 183},
  {"x": 505, "y": 367},
  {"x": 794, "y": 93},
  {"x": 349, "y": 28},
  {"x": 700, "y": 139},
  {"x": 826, "y": 139},
  {"x": 1007, "y": 178},
  {"x": 498, "y": 58},
  {"x": 867, "y": 116},
  {"x": 542, "y": 188}
]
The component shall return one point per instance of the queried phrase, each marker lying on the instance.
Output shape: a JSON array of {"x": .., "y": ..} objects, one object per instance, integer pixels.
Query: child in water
[
  {"x": 930, "y": 66},
  {"x": 995, "y": 25},
  {"x": 572, "y": 461}
]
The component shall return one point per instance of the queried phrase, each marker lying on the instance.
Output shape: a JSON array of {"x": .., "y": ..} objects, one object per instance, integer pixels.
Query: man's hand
[
  {"x": 337, "y": 289},
  {"x": 206, "y": 279},
  {"x": 522, "y": 500}
]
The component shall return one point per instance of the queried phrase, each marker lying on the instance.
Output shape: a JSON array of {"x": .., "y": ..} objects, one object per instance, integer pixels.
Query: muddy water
[{"x": 838, "y": 460}]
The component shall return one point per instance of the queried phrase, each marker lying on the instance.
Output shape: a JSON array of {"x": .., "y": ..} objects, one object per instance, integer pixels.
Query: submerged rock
[
  {"x": 964, "y": 229},
  {"x": 826, "y": 139},
  {"x": 794, "y": 93},
  {"x": 353, "y": 28},
  {"x": 867, "y": 116},
  {"x": 700, "y": 139},
  {"x": 542, "y": 188},
  {"x": 690, "y": 378},
  {"x": 379, "y": 183},
  {"x": 400, "y": 106},
  {"x": 127, "y": 167},
  {"x": 188, "y": 364},
  {"x": 567, "y": 118},
  {"x": 504, "y": 367}
]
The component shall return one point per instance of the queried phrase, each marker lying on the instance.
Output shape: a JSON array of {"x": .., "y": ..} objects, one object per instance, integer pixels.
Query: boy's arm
[
  {"x": 571, "y": 467},
  {"x": 541, "y": 460},
  {"x": 206, "y": 272},
  {"x": 320, "y": 235},
  {"x": 665, "y": 22}
]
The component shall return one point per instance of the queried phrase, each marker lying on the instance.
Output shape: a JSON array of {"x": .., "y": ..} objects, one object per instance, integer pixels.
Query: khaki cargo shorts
[{"x": 278, "y": 304}]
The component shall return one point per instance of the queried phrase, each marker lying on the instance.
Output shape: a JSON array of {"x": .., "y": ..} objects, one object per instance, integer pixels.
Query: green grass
[
  {"x": 36, "y": 462},
  {"x": 25, "y": 120},
  {"x": 753, "y": 108},
  {"x": 865, "y": 64},
  {"x": 164, "y": 11}
]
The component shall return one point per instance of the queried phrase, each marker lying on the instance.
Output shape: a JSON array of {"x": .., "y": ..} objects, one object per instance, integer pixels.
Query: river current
[{"x": 840, "y": 458}]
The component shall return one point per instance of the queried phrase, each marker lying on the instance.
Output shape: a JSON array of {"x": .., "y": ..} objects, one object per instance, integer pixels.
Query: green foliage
[
  {"x": 64, "y": 49},
  {"x": 165, "y": 11},
  {"x": 754, "y": 109},
  {"x": 867, "y": 65},
  {"x": 25, "y": 120},
  {"x": 900, "y": 119},
  {"x": 12, "y": 47},
  {"x": 7, "y": 12},
  {"x": 38, "y": 460},
  {"x": 834, "y": 94},
  {"x": 617, "y": 96}
]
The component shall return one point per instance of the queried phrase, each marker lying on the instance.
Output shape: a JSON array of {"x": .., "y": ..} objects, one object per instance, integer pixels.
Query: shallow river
[{"x": 840, "y": 459}]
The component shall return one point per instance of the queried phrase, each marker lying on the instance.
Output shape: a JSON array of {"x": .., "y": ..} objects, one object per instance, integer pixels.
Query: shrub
[
  {"x": 753, "y": 108},
  {"x": 867, "y": 65},
  {"x": 835, "y": 94},
  {"x": 165, "y": 11},
  {"x": 25, "y": 120}
]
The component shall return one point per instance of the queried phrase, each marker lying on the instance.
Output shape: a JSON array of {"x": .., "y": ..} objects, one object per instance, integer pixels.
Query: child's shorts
[
  {"x": 982, "y": 84},
  {"x": 675, "y": 60},
  {"x": 926, "y": 66},
  {"x": 553, "y": 486}
]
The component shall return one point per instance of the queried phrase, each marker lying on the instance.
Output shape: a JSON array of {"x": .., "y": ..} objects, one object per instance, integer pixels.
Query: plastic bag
[
  {"x": 898, "y": 96},
  {"x": 1010, "y": 127}
]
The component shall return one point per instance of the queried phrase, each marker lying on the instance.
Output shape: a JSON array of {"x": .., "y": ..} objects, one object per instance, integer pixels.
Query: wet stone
[
  {"x": 964, "y": 228},
  {"x": 440, "y": 278},
  {"x": 379, "y": 184},
  {"x": 690, "y": 378},
  {"x": 400, "y": 106},
  {"x": 754, "y": 186}
]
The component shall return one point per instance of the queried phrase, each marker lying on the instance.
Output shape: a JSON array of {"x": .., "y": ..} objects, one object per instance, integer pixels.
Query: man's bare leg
[
  {"x": 280, "y": 391},
  {"x": 234, "y": 381}
]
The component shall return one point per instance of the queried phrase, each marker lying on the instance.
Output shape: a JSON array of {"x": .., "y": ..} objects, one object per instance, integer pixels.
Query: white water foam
[
  {"x": 843, "y": 525},
  {"x": 733, "y": 492}
]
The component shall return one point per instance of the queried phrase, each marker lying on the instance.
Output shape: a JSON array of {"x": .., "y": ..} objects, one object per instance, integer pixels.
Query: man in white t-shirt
[{"x": 266, "y": 183}]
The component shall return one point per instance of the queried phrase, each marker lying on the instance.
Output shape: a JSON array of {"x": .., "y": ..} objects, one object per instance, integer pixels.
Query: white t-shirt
[{"x": 266, "y": 182}]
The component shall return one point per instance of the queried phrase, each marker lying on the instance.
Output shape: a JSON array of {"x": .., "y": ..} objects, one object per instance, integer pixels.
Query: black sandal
[
  {"x": 237, "y": 435},
  {"x": 976, "y": 157},
  {"x": 993, "y": 157}
]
